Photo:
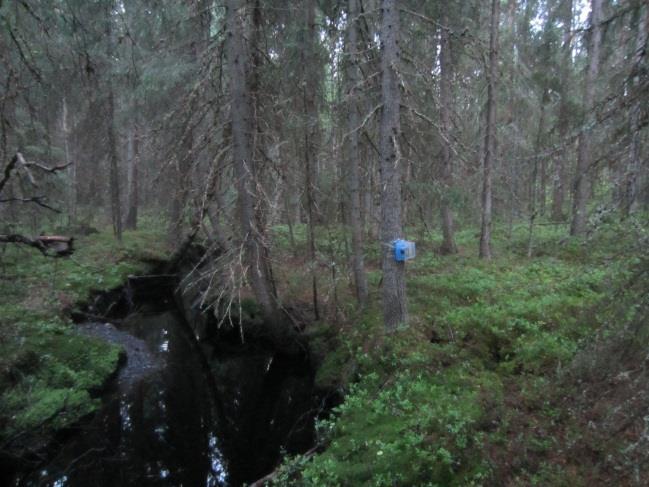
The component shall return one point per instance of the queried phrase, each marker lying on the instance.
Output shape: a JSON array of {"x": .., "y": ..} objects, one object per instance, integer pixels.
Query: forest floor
[
  {"x": 51, "y": 375},
  {"x": 518, "y": 371}
]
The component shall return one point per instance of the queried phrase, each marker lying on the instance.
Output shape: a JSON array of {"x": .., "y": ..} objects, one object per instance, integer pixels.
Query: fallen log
[{"x": 48, "y": 245}]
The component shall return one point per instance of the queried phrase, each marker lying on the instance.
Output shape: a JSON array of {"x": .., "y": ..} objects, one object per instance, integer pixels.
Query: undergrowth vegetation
[
  {"x": 517, "y": 371},
  {"x": 50, "y": 375},
  {"x": 489, "y": 383}
]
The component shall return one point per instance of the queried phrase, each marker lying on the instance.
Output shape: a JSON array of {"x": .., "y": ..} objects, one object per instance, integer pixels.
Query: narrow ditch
[{"x": 185, "y": 408}]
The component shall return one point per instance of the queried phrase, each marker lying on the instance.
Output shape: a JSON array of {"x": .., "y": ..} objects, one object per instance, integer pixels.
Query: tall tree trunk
[
  {"x": 72, "y": 171},
  {"x": 355, "y": 221},
  {"x": 394, "y": 284},
  {"x": 535, "y": 171},
  {"x": 134, "y": 176},
  {"x": 115, "y": 205},
  {"x": 543, "y": 189},
  {"x": 448, "y": 244},
  {"x": 309, "y": 92},
  {"x": 545, "y": 58},
  {"x": 115, "y": 197},
  {"x": 185, "y": 154},
  {"x": 630, "y": 192},
  {"x": 490, "y": 134},
  {"x": 584, "y": 157},
  {"x": 180, "y": 182},
  {"x": 258, "y": 266},
  {"x": 511, "y": 108},
  {"x": 618, "y": 62},
  {"x": 560, "y": 176}
]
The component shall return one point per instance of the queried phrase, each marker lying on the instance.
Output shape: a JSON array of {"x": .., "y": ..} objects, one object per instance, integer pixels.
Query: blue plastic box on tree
[{"x": 404, "y": 250}]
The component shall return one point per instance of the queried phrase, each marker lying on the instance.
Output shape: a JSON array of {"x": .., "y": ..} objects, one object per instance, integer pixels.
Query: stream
[{"x": 182, "y": 412}]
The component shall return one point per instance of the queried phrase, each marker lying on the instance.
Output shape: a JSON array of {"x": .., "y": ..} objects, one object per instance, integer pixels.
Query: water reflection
[
  {"x": 158, "y": 427},
  {"x": 61, "y": 482},
  {"x": 217, "y": 475},
  {"x": 124, "y": 415},
  {"x": 164, "y": 342}
]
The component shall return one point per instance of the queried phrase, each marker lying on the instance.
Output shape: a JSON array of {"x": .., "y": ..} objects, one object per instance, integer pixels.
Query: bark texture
[
  {"x": 258, "y": 267},
  {"x": 535, "y": 170},
  {"x": 584, "y": 156},
  {"x": 560, "y": 176},
  {"x": 134, "y": 177},
  {"x": 630, "y": 191},
  {"x": 490, "y": 134},
  {"x": 115, "y": 196},
  {"x": 394, "y": 285},
  {"x": 309, "y": 91},
  {"x": 113, "y": 156},
  {"x": 448, "y": 244},
  {"x": 353, "y": 122}
]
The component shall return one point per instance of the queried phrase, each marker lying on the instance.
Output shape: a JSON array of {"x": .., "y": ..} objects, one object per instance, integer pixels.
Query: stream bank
[{"x": 186, "y": 408}]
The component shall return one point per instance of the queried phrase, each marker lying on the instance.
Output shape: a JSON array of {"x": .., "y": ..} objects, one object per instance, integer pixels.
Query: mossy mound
[
  {"x": 50, "y": 374},
  {"x": 483, "y": 386}
]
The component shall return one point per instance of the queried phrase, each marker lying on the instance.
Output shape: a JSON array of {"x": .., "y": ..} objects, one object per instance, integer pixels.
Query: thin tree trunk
[
  {"x": 179, "y": 185},
  {"x": 490, "y": 134},
  {"x": 560, "y": 176},
  {"x": 186, "y": 156},
  {"x": 630, "y": 193},
  {"x": 258, "y": 267},
  {"x": 543, "y": 185},
  {"x": 584, "y": 157},
  {"x": 309, "y": 92},
  {"x": 394, "y": 285},
  {"x": 115, "y": 206},
  {"x": 543, "y": 163},
  {"x": 72, "y": 171},
  {"x": 355, "y": 221},
  {"x": 115, "y": 197},
  {"x": 535, "y": 170},
  {"x": 618, "y": 63},
  {"x": 448, "y": 244},
  {"x": 294, "y": 186},
  {"x": 134, "y": 169},
  {"x": 289, "y": 220},
  {"x": 511, "y": 108}
]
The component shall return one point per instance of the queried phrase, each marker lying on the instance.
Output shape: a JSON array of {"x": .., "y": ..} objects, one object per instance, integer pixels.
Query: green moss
[
  {"x": 48, "y": 371},
  {"x": 448, "y": 412},
  {"x": 51, "y": 372},
  {"x": 58, "y": 406},
  {"x": 418, "y": 431}
]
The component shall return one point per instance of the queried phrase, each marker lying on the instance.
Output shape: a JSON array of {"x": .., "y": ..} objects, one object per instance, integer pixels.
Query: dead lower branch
[
  {"x": 19, "y": 161},
  {"x": 37, "y": 200}
]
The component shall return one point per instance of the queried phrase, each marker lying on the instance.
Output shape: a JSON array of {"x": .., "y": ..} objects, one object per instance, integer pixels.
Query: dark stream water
[{"x": 180, "y": 413}]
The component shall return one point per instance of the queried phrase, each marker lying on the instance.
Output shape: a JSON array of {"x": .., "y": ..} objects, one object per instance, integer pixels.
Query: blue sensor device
[{"x": 404, "y": 250}]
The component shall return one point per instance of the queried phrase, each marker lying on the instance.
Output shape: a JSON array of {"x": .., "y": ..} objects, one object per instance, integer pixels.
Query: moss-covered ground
[
  {"x": 495, "y": 379},
  {"x": 517, "y": 371},
  {"x": 49, "y": 373}
]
